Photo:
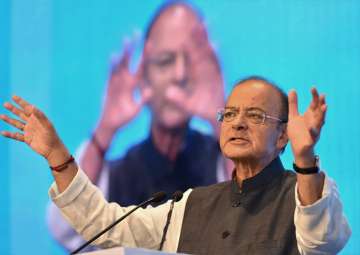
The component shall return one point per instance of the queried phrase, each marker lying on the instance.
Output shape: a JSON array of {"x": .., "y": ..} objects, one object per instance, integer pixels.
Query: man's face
[
  {"x": 243, "y": 140},
  {"x": 167, "y": 63}
]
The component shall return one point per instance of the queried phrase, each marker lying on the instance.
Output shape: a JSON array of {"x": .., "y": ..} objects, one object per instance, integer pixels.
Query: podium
[{"x": 128, "y": 251}]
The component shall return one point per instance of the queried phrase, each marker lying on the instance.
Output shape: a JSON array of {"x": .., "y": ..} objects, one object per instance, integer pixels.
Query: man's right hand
[
  {"x": 120, "y": 106},
  {"x": 37, "y": 131},
  {"x": 40, "y": 135}
]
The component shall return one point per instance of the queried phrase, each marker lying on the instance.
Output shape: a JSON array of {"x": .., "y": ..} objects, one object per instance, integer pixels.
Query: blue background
[{"x": 56, "y": 55}]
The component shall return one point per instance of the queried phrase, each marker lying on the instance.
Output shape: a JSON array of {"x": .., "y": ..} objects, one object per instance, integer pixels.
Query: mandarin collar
[{"x": 259, "y": 181}]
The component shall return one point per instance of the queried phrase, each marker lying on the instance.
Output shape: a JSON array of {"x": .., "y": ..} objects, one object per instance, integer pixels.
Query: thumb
[
  {"x": 146, "y": 95},
  {"x": 293, "y": 104}
]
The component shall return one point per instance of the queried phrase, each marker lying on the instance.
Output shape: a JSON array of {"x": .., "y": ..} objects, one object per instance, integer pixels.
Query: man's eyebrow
[
  {"x": 255, "y": 108},
  {"x": 247, "y": 108},
  {"x": 162, "y": 54},
  {"x": 166, "y": 52},
  {"x": 231, "y": 107}
]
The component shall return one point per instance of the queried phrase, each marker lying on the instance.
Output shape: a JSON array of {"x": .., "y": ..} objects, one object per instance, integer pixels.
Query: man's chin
[
  {"x": 237, "y": 155},
  {"x": 174, "y": 121}
]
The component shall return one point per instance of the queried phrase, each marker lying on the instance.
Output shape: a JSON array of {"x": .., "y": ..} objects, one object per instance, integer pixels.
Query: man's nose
[
  {"x": 239, "y": 122},
  {"x": 180, "y": 70}
]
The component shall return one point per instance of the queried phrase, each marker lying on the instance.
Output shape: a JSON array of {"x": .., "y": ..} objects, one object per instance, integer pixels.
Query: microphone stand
[
  {"x": 155, "y": 198},
  {"x": 175, "y": 198}
]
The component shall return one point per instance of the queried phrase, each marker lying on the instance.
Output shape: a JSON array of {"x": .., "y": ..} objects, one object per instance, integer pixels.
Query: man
[
  {"x": 263, "y": 210},
  {"x": 179, "y": 77}
]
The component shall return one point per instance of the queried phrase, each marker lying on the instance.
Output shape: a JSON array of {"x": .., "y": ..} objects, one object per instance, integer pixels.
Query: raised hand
[
  {"x": 35, "y": 130},
  {"x": 120, "y": 105},
  {"x": 119, "y": 108},
  {"x": 207, "y": 95},
  {"x": 304, "y": 130}
]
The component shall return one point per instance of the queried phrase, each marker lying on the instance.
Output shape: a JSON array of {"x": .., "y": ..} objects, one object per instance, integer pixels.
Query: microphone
[
  {"x": 177, "y": 196},
  {"x": 155, "y": 198}
]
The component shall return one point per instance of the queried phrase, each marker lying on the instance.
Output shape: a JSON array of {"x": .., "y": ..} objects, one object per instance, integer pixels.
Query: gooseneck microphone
[
  {"x": 156, "y": 198},
  {"x": 177, "y": 196}
]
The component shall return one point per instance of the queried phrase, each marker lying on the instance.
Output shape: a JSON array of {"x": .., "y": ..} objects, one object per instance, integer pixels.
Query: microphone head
[
  {"x": 177, "y": 196},
  {"x": 158, "y": 197}
]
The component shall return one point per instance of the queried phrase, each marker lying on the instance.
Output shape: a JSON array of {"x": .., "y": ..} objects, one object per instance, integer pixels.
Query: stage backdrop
[{"x": 56, "y": 55}]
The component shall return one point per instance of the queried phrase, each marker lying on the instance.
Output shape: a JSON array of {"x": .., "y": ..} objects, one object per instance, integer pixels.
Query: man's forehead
[
  {"x": 175, "y": 26},
  {"x": 254, "y": 94}
]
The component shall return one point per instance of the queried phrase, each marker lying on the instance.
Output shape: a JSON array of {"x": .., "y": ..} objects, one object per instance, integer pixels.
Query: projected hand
[
  {"x": 304, "y": 130},
  {"x": 120, "y": 105},
  {"x": 35, "y": 130},
  {"x": 207, "y": 94}
]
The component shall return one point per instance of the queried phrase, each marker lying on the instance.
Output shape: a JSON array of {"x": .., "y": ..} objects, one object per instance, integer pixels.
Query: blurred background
[{"x": 56, "y": 54}]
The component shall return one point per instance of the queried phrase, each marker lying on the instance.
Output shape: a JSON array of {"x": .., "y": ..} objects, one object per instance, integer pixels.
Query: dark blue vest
[{"x": 257, "y": 219}]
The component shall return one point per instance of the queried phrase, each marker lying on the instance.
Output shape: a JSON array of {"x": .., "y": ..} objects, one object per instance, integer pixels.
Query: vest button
[
  {"x": 225, "y": 234},
  {"x": 236, "y": 204}
]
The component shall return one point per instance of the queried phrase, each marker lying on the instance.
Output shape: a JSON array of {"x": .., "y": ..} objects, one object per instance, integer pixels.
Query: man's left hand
[{"x": 304, "y": 130}]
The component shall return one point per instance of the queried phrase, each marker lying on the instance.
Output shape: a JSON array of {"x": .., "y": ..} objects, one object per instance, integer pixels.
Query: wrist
[
  {"x": 58, "y": 156},
  {"x": 305, "y": 160},
  {"x": 104, "y": 135},
  {"x": 308, "y": 168}
]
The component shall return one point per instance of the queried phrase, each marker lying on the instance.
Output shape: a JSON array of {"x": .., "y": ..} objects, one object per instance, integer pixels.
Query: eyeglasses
[
  {"x": 166, "y": 60},
  {"x": 253, "y": 115}
]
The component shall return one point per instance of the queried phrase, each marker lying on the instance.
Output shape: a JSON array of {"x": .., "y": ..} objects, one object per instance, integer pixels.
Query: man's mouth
[{"x": 238, "y": 140}]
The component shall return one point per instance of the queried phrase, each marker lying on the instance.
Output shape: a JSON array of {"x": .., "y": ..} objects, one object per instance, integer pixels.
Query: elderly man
[
  {"x": 179, "y": 78},
  {"x": 263, "y": 210}
]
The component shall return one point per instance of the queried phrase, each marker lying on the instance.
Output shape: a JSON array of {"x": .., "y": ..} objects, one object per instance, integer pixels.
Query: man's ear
[{"x": 283, "y": 137}]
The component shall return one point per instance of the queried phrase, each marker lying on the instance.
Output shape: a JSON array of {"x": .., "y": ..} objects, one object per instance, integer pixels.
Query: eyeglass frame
[{"x": 221, "y": 112}]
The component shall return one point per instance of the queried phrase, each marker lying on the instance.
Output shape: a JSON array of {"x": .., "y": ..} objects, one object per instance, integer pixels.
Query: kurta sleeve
[
  {"x": 84, "y": 207},
  {"x": 60, "y": 228},
  {"x": 321, "y": 228}
]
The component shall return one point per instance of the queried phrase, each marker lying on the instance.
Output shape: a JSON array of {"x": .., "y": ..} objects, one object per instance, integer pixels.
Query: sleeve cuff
[
  {"x": 72, "y": 191},
  {"x": 320, "y": 204}
]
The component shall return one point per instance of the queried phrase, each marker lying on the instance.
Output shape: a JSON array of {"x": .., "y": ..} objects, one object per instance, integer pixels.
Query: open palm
[
  {"x": 304, "y": 130},
  {"x": 35, "y": 129}
]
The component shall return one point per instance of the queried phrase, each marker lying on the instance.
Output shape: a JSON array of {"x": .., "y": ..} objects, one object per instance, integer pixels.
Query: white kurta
[{"x": 321, "y": 228}]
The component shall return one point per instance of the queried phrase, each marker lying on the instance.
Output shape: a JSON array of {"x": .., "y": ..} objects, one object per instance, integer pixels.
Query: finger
[
  {"x": 146, "y": 94},
  {"x": 323, "y": 109},
  {"x": 140, "y": 69},
  {"x": 13, "y": 122},
  {"x": 15, "y": 136},
  {"x": 122, "y": 62},
  {"x": 205, "y": 55},
  {"x": 322, "y": 100},
  {"x": 27, "y": 107},
  {"x": 202, "y": 54},
  {"x": 18, "y": 112},
  {"x": 315, "y": 98},
  {"x": 293, "y": 104},
  {"x": 127, "y": 53},
  {"x": 199, "y": 35},
  {"x": 145, "y": 56},
  {"x": 320, "y": 120},
  {"x": 40, "y": 116}
]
